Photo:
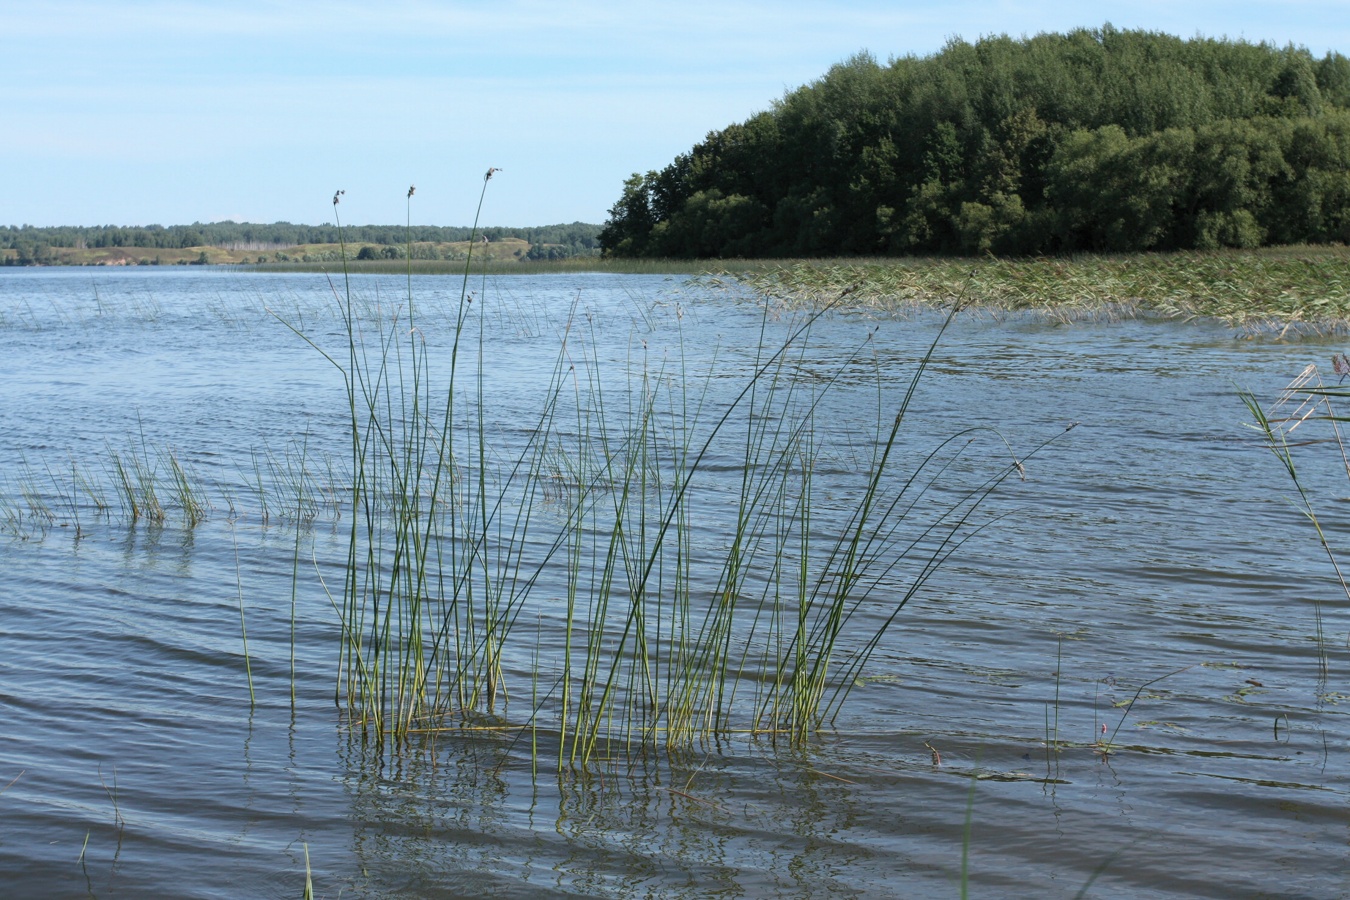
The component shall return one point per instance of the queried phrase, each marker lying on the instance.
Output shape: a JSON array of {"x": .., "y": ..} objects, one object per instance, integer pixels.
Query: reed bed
[
  {"x": 575, "y": 565},
  {"x": 141, "y": 483},
  {"x": 1303, "y": 288}
]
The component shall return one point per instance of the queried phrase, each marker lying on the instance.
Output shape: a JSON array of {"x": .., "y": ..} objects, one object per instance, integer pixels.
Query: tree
[
  {"x": 630, "y": 220},
  {"x": 1102, "y": 139}
]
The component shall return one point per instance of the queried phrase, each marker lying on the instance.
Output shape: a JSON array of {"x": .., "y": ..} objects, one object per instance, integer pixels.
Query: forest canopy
[{"x": 1095, "y": 140}]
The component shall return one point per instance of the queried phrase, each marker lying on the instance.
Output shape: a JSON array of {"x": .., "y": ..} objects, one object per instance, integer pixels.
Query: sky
[{"x": 136, "y": 113}]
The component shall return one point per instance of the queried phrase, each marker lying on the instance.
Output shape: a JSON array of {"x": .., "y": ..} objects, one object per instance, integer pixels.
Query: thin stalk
[{"x": 243, "y": 627}]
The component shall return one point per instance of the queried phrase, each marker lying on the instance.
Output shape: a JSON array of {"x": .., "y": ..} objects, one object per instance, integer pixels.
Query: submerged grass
[
  {"x": 1300, "y": 288},
  {"x": 666, "y": 637}
]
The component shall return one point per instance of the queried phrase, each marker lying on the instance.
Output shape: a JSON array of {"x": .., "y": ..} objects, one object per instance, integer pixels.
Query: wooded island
[{"x": 1099, "y": 140}]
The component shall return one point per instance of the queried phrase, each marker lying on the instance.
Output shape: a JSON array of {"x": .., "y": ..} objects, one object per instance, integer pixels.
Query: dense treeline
[
  {"x": 1096, "y": 140},
  {"x": 32, "y": 244}
]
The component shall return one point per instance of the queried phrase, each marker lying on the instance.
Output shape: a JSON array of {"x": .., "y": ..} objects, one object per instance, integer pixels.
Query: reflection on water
[
  {"x": 1148, "y": 576},
  {"x": 468, "y": 814}
]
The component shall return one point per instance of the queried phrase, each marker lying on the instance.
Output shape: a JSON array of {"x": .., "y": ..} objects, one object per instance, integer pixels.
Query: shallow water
[{"x": 1154, "y": 546}]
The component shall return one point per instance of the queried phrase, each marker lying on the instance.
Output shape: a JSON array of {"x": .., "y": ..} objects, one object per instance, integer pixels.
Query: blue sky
[{"x": 172, "y": 112}]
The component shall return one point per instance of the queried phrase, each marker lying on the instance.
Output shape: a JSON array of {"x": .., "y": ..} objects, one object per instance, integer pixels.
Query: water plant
[
  {"x": 144, "y": 483},
  {"x": 187, "y": 491},
  {"x": 1279, "y": 289},
  {"x": 665, "y": 637},
  {"x": 136, "y": 477},
  {"x": 1306, "y": 404}
]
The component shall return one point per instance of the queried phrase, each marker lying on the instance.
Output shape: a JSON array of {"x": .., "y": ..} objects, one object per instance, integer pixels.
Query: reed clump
[
  {"x": 141, "y": 483},
  {"x": 667, "y": 624}
]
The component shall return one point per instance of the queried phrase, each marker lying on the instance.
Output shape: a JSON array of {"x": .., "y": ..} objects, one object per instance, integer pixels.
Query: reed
[
  {"x": 668, "y": 639},
  {"x": 145, "y": 483},
  {"x": 82, "y": 482},
  {"x": 12, "y": 519},
  {"x": 25, "y": 513},
  {"x": 124, "y": 484},
  {"x": 188, "y": 492},
  {"x": 303, "y": 514},
  {"x": 135, "y": 477},
  {"x": 35, "y": 499},
  {"x": 68, "y": 492},
  {"x": 1305, "y": 414},
  {"x": 243, "y": 625}
]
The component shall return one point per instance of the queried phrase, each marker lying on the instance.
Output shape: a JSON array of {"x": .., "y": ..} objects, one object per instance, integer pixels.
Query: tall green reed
[{"x": 667, "y": 638}]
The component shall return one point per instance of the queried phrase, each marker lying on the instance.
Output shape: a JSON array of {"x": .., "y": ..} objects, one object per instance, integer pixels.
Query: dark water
[{"x": 1154, "y": 546}]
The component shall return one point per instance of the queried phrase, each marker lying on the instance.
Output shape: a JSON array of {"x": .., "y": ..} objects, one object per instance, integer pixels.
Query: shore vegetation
[{"x": 1280, "y": 289}]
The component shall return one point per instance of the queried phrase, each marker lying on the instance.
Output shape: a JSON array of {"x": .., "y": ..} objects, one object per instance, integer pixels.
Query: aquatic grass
[
  {"x": 138, "y": 483},
  {"x": 298, "y": 481},
  {"x": 68, "y": 492},
  {"x": 260, "y": 489},
  {"x": 1306, "y": 404},
  {"x": 188, "y": 492},
  {"x": 666, "y": 640},
  {"x": 12, "y": 517},
  {"x": 1052, "y": 742},
  {"x": 137, "y": 477},
  {"x": 1106, "y": 745},
  {"x": 243, "y": 625},
  {"x": 145, "y": 483},
  {"x": 118, "y": 821},
  {"x": 39, "y": 510},
  {"x": 289, "y": 486},
  {"x": 90, "y": 486},
  {"x": 125, "y": 485},
  {"x": 24, "y": 510},
  {"x": 1298, "y": 289}
]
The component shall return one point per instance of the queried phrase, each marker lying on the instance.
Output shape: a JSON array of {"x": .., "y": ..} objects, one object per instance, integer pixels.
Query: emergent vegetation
[
  {"x": 659, "y": 641},
  {"x": 1286, "y": 288},
  {"x": 1096, "y": 140}
]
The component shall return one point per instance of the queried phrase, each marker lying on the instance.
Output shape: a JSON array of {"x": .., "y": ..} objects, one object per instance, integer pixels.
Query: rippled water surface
[{"x": 1152, "y": 554}]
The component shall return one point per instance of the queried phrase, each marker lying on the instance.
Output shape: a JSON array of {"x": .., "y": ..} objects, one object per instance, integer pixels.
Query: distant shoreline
[
  {"x": 1288, "y": 290},
  {"x": 238, "y": 243}
]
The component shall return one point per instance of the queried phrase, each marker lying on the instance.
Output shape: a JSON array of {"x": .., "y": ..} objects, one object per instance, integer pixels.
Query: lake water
[{"x": 1155, "y": 546}]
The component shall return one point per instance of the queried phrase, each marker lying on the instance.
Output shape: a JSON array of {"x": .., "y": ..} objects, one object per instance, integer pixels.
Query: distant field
[{"x": 509, "y": 249}]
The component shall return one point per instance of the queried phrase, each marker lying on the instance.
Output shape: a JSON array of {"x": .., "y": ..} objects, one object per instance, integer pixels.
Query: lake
[{"x": 1116, "y": 680}]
